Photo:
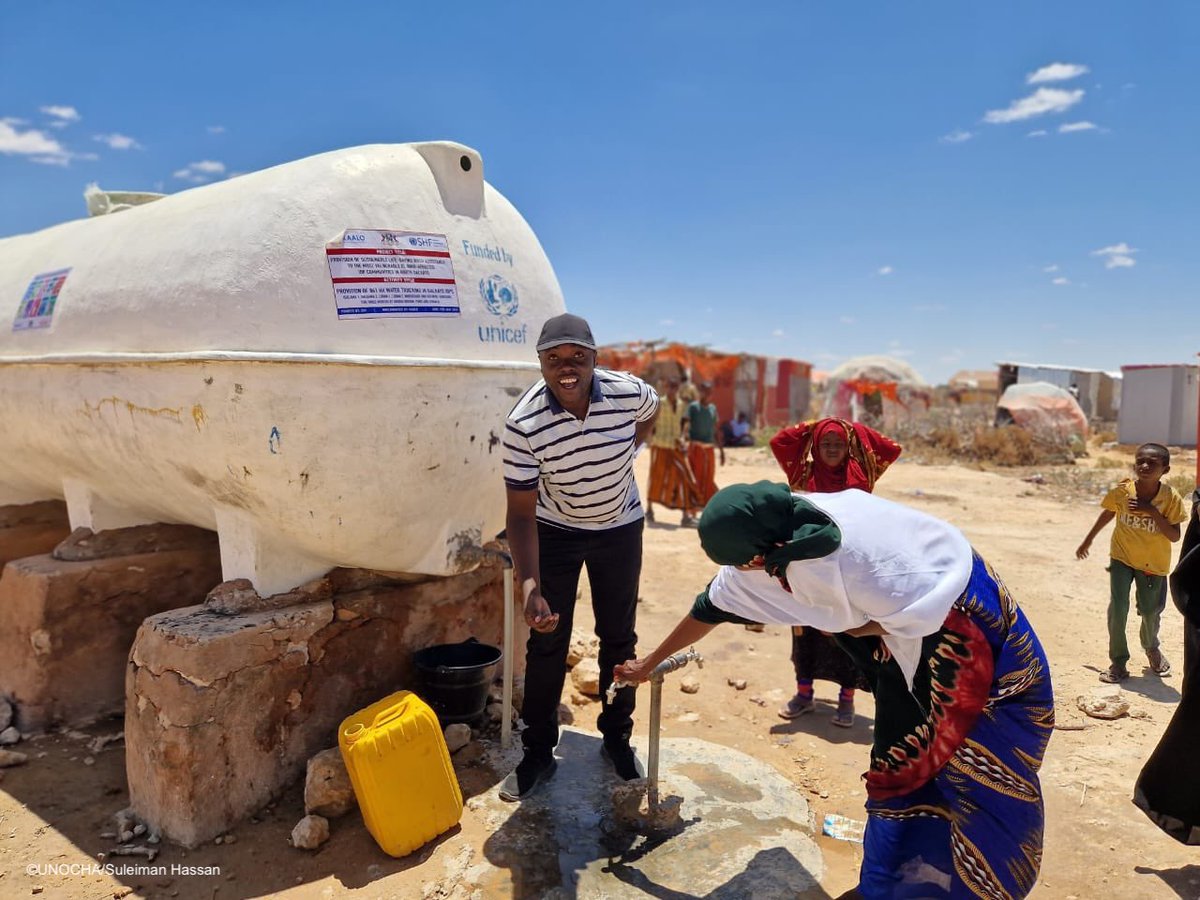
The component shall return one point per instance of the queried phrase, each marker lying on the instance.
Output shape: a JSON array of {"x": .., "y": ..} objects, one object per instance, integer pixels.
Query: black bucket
[{"x": 456, "y": 678}]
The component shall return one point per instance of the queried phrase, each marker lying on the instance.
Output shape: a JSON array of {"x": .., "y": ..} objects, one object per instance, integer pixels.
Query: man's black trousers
[{"x": 614, "y": 564}]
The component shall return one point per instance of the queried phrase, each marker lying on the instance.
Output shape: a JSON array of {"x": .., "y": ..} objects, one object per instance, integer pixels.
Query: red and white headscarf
[{"x": 868, "y": 454}]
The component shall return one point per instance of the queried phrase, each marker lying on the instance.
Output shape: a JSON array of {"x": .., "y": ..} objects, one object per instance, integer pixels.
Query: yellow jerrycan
[{"x": 401, "y": 772}]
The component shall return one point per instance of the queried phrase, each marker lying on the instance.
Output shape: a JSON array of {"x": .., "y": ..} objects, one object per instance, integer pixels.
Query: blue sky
[{"x": 950, "y": 182}]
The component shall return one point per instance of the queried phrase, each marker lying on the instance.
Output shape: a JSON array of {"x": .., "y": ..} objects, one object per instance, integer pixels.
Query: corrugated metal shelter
[
  {"x": 1160, "y": 404},
  {"x": 771, "y": 391},
  {"x": 1097, "y": 392}
]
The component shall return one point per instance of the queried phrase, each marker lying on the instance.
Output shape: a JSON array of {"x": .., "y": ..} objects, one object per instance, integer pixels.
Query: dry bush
[
  {"x": 1107, "y": 462},
  {"x": 1006, "y": 446},
  {"x": 1183, "y": 482},
  {"x": 946, "y": 435},
  {"x": 1104, "y": 437}
]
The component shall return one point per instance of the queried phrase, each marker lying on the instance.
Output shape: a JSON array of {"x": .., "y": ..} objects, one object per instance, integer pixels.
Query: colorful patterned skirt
[
  {"x": 954, "y": 806},
  {"x": 671, "y": 481}
]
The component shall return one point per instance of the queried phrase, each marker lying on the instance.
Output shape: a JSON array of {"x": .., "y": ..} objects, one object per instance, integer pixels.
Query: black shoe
[
  {"x": 624, "y": 761},
  {"x": 529, "y": 775}
]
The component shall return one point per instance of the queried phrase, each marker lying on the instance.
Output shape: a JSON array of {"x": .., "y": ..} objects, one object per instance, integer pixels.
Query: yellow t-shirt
[
  {"x": 667, "y": 427},
  {"x": 1136, "y": 540}
]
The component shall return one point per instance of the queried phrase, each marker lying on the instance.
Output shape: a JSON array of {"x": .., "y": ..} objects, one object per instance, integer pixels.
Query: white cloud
[
  {"x": 1053, "y": 267},
  {"x": 62, "y": 113},
  {"x": 957, "y": 136},
  {"x": 200, "y": 172},
  {"x": 117, "y": 141},
  {"x": 847, "y": 320},
  {"x": 1068, "y": 127},
  {"x": 886, "y": 270},
  {"x": 1060, "y": 280},
  {"x": 216, "y": 129},
  {"x": 28, "y": 143},
  {"x": 778, "y": 332},
  {"x": 12, "y": 120},
  {"x": 1056, "y": 72},
  {"x": 1041, "y": 132},
  {"x": 1117, "y": 256},
  {"x": 666, "y": 321},
  {"x": 1040, "y": 102}
]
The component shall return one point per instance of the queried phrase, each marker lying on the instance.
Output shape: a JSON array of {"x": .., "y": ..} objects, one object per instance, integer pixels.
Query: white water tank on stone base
[{"x": 315, "y": 360}]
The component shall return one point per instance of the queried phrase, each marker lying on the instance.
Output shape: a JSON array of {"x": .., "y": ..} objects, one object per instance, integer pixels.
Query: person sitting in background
[{"x": 737, "y": 432}]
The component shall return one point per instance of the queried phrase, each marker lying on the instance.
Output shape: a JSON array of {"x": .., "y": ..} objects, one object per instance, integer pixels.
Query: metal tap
[{"x": 670, "y": 664}]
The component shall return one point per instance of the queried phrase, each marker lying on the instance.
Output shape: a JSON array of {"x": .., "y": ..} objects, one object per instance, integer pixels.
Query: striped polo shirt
[{"x": 582, "y": 470}]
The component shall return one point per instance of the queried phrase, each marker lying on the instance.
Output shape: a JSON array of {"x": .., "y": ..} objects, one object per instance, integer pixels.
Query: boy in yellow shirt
[{"x": 1148, "y": 514}]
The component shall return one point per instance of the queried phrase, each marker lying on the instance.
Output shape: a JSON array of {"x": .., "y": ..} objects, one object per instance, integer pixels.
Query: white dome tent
[{"x": 878, "y": 390}]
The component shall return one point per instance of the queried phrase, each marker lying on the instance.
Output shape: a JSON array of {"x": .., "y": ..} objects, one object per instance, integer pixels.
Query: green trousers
[{"x": 1150, "y": 595}]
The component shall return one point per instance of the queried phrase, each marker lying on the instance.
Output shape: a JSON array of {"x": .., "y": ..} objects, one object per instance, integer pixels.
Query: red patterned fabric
[{"x": 868, "y": 455}]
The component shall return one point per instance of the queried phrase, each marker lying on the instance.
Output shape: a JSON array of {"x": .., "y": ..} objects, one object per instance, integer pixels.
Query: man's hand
[
  {"x": 537, "y": 613},
  {"x": 1082, "y": 552}
]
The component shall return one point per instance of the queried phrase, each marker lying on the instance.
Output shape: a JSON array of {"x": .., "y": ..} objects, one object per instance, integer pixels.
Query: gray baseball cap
[{"x": 566, "y": 329}]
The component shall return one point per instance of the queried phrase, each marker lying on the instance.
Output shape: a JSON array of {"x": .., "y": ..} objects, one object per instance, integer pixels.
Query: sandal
[
  {"x": 844, "y": 717},
  {"x": 1113, "y": 674},
  {"x": 798, "y": 706},
  {"x": 1159, "y": 664}
]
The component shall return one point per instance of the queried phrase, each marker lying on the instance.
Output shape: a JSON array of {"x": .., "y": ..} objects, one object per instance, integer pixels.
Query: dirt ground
[{"x": 54, "y": 809}]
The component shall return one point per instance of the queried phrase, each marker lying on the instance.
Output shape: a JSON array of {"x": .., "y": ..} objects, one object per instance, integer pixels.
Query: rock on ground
[
  {"x": 6, "y": 713},
  {"x": 457, "y": 736},
  {"x": 689, "y": 684},
  {"x": 1104, "y": 703},
  {"x": 9, "y": 736},
  {"x": 327, "y": 788},
  {"x": 586, "y": 677},
  {"x": 310, "y": 832},
  {"x": 11, "y": 758}
]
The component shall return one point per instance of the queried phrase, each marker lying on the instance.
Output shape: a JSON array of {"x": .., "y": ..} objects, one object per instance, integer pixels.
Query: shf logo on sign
[{"x": 499, "y": 296}]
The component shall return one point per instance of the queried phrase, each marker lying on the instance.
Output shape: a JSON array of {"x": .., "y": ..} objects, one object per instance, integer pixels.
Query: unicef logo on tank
[{"x": 499, "y": 296}]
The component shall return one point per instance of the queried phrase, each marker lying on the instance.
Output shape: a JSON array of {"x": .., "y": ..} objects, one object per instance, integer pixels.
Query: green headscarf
[{"x": 745, "y": 520}]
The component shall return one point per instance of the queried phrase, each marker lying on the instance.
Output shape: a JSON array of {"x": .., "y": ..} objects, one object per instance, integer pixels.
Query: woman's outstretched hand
[{"x": 634, "y": 671}]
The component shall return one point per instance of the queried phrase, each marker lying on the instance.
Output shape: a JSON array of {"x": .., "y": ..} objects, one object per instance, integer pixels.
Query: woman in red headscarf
[{"x": 825, "y": 456}]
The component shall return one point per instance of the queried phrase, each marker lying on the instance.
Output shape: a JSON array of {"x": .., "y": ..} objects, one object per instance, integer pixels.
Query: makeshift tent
[
  {"x": 769, "y": 390},
  {"x": 1044, "y": 409},
  {"x": 878, "y": 390}
]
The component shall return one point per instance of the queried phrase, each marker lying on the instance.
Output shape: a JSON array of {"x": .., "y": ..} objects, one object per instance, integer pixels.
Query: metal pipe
[
  {"x": 656, "y": 683},
  {"x": 506, "y": 651},
  {"x": 668, "y": 665},
  {"x": 507, "y": 667}
]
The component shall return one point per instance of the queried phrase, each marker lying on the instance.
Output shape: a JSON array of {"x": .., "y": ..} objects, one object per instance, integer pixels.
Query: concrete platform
[
  {"x": 31, "y": 529},
  {"x": 748, "y": 831},
  {"x": 224, "y": 707},
  {"x": 66, "y": 626}
]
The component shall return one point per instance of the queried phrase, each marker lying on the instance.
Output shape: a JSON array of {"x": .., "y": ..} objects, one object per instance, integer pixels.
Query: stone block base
[
  {"x": 224, "y": 707},
  {"x": 66, "y": 627},
  {"x": 31, "y": 529}
]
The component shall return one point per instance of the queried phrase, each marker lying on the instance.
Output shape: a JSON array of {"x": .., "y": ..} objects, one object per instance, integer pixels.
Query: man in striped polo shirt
[{"x": 572, "y": 501}]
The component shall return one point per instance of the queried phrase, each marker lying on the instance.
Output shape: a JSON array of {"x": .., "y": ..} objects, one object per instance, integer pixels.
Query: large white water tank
[{"x": 315, "y": 360}]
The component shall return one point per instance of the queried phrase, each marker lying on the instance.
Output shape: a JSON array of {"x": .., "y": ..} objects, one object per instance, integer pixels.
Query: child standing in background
[
  {"x": 1148, "y": 515},
  {"x": 822, "y": 457}
]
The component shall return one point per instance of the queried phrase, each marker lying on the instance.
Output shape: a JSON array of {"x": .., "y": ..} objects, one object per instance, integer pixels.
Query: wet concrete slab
[{"x": 747, "y": 831}]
